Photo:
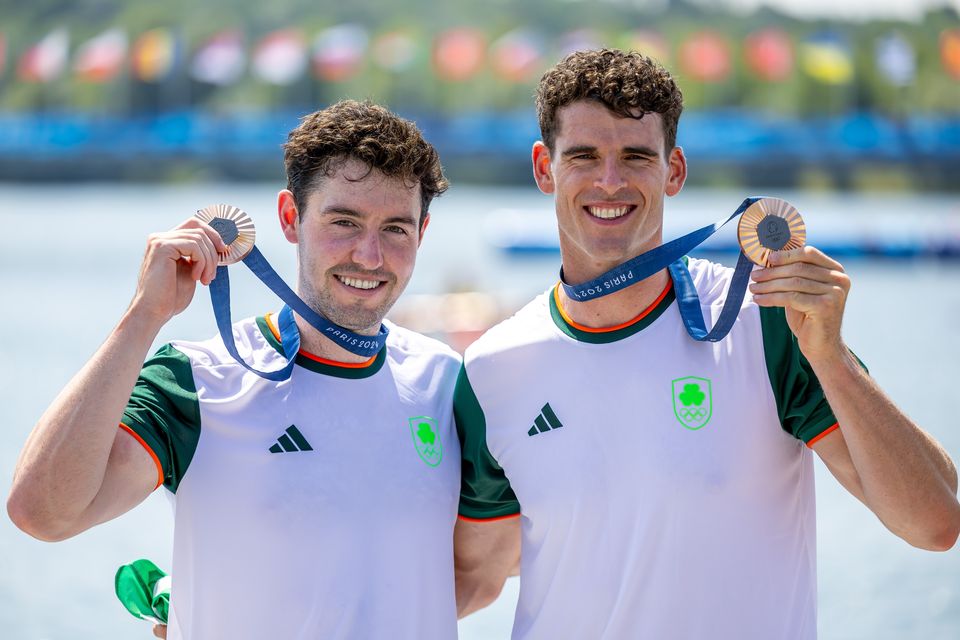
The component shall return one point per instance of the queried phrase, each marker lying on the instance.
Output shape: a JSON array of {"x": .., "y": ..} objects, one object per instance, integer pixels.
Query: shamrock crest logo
[
  {"x": 692, "y": 401},
  {"x": 426, "y": 439}
]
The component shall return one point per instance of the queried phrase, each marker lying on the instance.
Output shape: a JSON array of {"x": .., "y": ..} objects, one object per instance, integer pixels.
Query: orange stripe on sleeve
[
  {"x": 494, "y": 519},
  {"x": 156, "y": 460},
  {"x": 821, "y": 436}
]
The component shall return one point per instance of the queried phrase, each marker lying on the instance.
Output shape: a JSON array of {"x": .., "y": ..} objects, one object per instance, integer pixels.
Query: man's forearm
[
  {"x": 62, "y": 465},
  {"x": 485, "y": 554},
  {"x": 907, "y": 478}
]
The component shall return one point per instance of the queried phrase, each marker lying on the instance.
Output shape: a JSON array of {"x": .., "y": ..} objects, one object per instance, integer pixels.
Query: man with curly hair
[
  {"x": 320, "y": 506},
  {"x": 661, "y": 487}
]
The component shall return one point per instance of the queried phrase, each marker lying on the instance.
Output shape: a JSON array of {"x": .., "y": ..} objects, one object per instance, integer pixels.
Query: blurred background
[
  {"x": 118, "y": 119},
  {"x": 854, "y": 96}
]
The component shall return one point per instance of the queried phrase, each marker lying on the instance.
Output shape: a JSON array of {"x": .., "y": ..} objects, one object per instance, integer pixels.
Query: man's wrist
[
  {"x": 835, "y": 362},
  {"x": 140, "y": 321}
]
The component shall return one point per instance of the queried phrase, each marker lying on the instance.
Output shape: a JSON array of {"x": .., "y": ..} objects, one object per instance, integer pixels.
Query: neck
[
  {"x": 616, "y": 308},
  {"x": 314, "y": 343}
]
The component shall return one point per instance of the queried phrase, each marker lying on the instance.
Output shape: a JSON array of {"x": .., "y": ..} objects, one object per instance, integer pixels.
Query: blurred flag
[
  {"x": 338, "y": 51},
  {"x": 101, "y": 58},
  {"x": 705, "y": 56},
  {"x": 394, "y": 51},
  {"x": 517, "y": 55},
  {"x": 896, "y": 59},
  {"x": 649, "y": 43},
  {"x": 220, "y": 60},
  {"x": 45, "y": 60},
  {"x": 154, "y": 55},
  {"x": 458, "y": 53},
  {"x": 579, "y": 40},
  {"x": 826, "y": 57},
  {"x": 280, "y": 57},
  {"x": 769, "y": 54},
  {"x": 950, "y": 51}
]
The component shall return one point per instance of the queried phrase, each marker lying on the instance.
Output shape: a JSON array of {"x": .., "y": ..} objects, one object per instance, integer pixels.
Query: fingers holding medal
[
  {"x": 235, "y": 228},
  {"x": 809, "y": 284}
]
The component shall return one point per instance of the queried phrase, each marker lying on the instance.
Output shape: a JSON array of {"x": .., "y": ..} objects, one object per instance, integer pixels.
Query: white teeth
[
  {"x": 606, "y": 213},
  {"x": 357, "y": 283}
]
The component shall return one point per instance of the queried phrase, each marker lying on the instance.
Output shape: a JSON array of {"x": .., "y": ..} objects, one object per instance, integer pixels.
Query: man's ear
[
  {"x": 423, "y": 227},
  {"x": 542, "y": 171},
  {"x": 289, "y": 216},
  {"x": 678, "y": 172}
]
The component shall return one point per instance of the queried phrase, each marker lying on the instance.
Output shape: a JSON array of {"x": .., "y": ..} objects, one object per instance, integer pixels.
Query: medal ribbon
[
  {"x": 670, "y": 256},
  {"x": 366, "y": 346}
]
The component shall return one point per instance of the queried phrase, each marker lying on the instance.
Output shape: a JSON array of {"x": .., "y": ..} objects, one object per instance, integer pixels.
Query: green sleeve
[
  {"x": 801, "y": 404},
  {"x": 485, "y": 492},
  {"x": 164, "y": 411}
]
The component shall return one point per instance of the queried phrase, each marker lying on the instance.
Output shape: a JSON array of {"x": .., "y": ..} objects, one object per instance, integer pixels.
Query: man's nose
[
  {"x": 367, "y": 252},
  {"x": 610, "y": 178}
]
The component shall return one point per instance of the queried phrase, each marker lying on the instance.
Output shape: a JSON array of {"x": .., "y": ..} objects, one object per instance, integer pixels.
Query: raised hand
[
  {"x": 174, "y": 262},
  {"x": 813, "y": 289}
]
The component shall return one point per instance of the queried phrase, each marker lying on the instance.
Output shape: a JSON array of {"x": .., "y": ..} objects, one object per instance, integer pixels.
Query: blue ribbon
[
  {"x": 670, "y": 256},
  {"x": 367, "y": 346}
]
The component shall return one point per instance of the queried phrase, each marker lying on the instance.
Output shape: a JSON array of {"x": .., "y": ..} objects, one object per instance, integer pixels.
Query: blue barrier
[{"x": 711, "y": 135}]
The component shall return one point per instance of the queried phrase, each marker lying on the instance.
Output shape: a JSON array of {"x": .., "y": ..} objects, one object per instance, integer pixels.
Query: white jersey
[
  {"x": 321, "y": 506},
  {"x": 664, "y": 486}
]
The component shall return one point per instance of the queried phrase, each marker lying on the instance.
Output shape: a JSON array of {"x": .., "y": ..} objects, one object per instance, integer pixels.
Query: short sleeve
[
  {"x": 801, "y": 404},
  {"x": 164, "y": 414},
  {"x": 485, "y": 491}
]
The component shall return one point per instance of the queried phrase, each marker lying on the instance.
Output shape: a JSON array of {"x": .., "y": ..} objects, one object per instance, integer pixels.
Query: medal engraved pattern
[
  {"x": 234, "y": 226},
  {"x": 768, "y": 225}
]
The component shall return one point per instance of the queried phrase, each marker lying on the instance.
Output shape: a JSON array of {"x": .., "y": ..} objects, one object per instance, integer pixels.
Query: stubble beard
[{"x": 357, "y": 317}]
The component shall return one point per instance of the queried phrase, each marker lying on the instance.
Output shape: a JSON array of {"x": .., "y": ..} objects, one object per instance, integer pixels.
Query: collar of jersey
[
  {"x": 317, "y": 364},
  {"x": 610, "y": 334}
]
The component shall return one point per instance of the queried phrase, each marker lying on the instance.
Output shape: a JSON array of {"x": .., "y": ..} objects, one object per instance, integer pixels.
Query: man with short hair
[
  {"x": 320, "y": 506},
  {"x": 639, "y": 519}
]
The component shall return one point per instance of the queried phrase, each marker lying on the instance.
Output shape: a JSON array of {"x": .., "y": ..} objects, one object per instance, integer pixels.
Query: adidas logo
[
  {"x": 545, "y": 421},
  {"x": 292, "y": 440}
]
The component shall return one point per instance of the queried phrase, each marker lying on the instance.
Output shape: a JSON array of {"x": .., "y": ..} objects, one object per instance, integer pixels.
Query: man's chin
[
  {"x": 361, "y": 316},
  {"x": 363, "y": 322}
]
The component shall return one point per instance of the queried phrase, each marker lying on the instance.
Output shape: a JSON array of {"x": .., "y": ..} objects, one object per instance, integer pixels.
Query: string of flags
[{"x": 341, "y": 52}]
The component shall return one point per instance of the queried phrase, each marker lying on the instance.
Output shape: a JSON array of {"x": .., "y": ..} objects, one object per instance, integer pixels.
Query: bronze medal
[
  {"x": 235, "y": 228},
  {"x": 770, "y": 224}
]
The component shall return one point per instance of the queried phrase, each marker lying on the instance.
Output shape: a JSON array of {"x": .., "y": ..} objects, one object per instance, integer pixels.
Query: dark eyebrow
[
  {"x": 336, "y": 209},
  {"x": 401, "y": 220},
  {"x": 583, "y": 148},
  {"x": 577, "y": 150},
  {"x": 343, "y": 210},
  {"x": 642, "y": 151}
]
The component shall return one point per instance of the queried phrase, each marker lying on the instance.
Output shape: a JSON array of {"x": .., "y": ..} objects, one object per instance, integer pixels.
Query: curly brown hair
[
  {"x": 625, "y": 82},
  {"x": 367, "y": 132}
]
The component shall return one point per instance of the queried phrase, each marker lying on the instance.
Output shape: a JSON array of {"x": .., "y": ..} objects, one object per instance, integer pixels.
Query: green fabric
[
  {"x": 801, "y": 404},
  {"x": 606, "y": 337},
  {"x": 485, "y": 491},
  {"x": 163, "y": 410},
  {"x": 142, "y": 590},
  {"x": 610, "y": 336},
  {"x": 352, "y": 373}
]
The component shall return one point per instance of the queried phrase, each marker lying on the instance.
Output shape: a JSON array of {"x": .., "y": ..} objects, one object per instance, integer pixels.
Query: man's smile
[
  {"x": 362, "y": 284},
  {"x": 609, "y": 211}
]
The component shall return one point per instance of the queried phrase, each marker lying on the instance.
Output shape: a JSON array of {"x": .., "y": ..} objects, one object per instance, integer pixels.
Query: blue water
[{"x": 68, "y": 265}]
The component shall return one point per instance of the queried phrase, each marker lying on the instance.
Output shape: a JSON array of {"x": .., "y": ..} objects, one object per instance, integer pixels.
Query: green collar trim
[
  {"x": 305, "y": 361},
  {"x": 605, "y": 337}
]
